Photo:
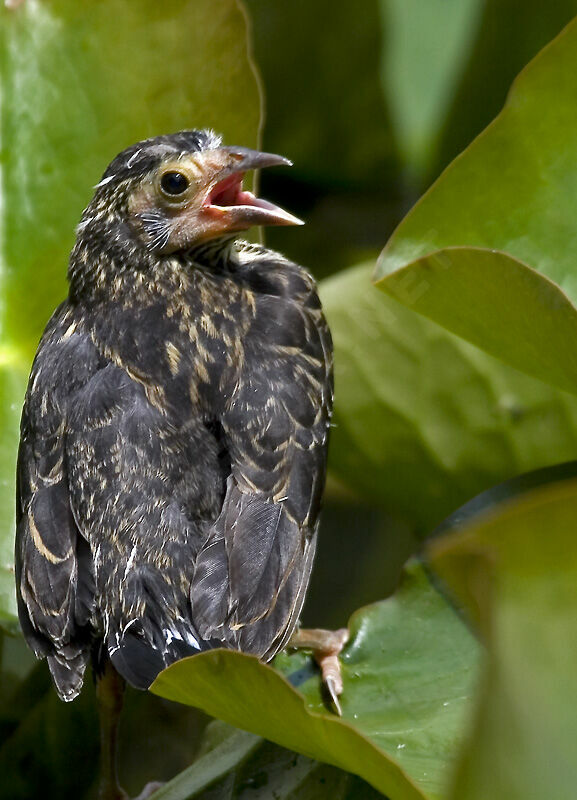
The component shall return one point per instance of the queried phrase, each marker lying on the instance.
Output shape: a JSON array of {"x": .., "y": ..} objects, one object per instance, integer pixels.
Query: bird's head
[{"x": 172, "y": 194}]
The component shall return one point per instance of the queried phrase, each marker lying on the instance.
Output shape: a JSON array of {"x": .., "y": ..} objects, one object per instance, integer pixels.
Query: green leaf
[
  {"x": 13, "y": 375},
  {"x": 427, "y": 45},
  {"x": 511, "y": 33},
  {"x": 79, "y": 82},
  {"x": 516, "y": 572},
  {"x": 424, "y": 420},
  {"x": 499, "y": 304},
  {"x": 408, "y": 670},
  {"x": 513, "y": 190}
]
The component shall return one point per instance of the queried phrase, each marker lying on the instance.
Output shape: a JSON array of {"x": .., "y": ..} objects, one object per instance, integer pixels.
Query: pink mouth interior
[{"x": 229, "y": 193}]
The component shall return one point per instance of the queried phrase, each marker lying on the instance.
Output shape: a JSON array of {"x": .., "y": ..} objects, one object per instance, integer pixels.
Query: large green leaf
[
  {"x": 516, "y": 573},
  {"x": 423, "y": 420},
  {"x": 409, "y": 669},
  {"x": 499, "y": 304},
  {"x": 513, "y": 190},
  {"x": 78, "y": 82}
]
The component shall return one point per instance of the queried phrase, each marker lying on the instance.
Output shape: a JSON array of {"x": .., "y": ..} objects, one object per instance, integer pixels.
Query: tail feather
[
  {"x": 139, "y": 656},
  {"x": 67, "y": 666}
]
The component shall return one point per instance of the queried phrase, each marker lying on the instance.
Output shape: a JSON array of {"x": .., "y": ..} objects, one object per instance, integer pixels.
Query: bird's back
[{"x": 171, "y": 464}]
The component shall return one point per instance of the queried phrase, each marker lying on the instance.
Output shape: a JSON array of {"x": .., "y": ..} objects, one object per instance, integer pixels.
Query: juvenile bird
[{"x": 174, "y": 432}]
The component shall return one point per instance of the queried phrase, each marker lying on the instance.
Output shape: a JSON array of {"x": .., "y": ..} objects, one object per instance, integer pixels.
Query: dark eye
[{"x": 174, "y": 183}]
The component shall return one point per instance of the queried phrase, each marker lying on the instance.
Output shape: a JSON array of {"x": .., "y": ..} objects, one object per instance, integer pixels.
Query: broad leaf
[
  {"x": 516, "y": 573},
  {"x": 409, "y": 670},
  {"x": 513, "y": 190},
  {"x": 499, "y": 304},
  {"x": 68, "y": 105},
  {"x": 423, "y": 420}
]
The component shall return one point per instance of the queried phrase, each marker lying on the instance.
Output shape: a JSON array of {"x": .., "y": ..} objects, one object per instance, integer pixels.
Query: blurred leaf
[
  {"x": 68, "y": 106},
  {"x": 408, "y": 669},
  {"x": 249, "y": 767},
  {"x": 509, "y": 490},
  {"x": 13, "y": 374},
  {"x": 225, "y": 748},
  {"x": 423, "y": 420},
  {"x": 326, "y": 111},
  {"x": 339, "y": 136},
  {"x": 47, "y": 748},
  {"x": 514, "y": 190},
  {"x": 426, "y": 49},
  {"x": 516, "y": 571}
]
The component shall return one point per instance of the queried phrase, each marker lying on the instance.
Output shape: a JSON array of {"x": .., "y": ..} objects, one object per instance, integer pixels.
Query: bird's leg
[
  {"x": 109, "y": 695},
  {"x": 326, "y": 647}
]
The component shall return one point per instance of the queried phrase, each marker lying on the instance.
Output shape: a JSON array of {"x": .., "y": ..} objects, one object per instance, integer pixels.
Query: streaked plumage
[{"x": 174, "y": 433}]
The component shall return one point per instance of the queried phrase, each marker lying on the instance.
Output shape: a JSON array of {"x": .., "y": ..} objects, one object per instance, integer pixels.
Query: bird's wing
[
  {"x": 141, "y": 480},
  {"x": 53, "y": 561},
  {"x": 252, "y": 573}
]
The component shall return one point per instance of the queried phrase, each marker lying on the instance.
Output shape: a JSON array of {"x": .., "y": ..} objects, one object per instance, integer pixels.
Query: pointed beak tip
[{"x": 286, "y": 218}]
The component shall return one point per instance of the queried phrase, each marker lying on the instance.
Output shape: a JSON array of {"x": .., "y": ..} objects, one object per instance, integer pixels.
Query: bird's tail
[{"x": 139, "y": 655}]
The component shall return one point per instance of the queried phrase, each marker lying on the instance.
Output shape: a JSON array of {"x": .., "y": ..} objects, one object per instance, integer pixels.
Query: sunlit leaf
[{"x": 499, "y": 304}]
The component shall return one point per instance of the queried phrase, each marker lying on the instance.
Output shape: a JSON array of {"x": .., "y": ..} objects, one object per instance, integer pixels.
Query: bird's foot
[{"x": 326, "y": 647}]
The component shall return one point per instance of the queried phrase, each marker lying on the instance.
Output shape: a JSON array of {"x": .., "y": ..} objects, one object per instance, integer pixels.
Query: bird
[{"x": 175, "y": 428}]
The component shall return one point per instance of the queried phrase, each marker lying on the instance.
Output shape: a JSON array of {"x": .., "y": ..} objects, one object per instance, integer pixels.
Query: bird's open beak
[{"x": 227, "y": 206}]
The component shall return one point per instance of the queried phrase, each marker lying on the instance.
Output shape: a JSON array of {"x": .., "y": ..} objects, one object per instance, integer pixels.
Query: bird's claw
[
  {"x": 326, "y": 647},
  {"x": 334, "y": 688}
]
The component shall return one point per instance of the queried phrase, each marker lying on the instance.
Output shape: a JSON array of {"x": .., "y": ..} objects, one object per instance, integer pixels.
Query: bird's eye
[{"x": 174, "y": 183}]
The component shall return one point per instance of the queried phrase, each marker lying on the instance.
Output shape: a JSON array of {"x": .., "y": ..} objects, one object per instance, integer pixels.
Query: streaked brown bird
[{"x": 174, "y": 433}]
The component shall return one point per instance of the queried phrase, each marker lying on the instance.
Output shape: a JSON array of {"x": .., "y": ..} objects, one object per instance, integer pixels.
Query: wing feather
[
  {"x": 55, "y": 598},
  {"x": 252, "y": 572}
]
